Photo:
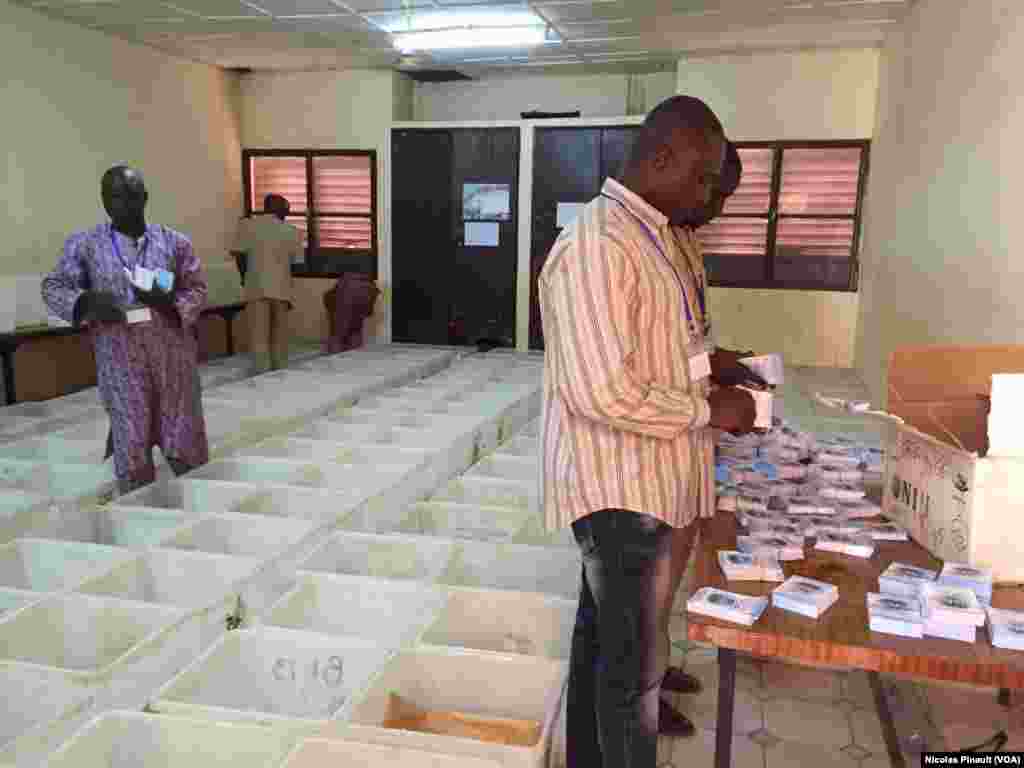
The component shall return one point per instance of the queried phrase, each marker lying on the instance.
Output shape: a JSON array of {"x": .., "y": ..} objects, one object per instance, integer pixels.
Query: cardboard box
[{"x": 938, "y": 484}]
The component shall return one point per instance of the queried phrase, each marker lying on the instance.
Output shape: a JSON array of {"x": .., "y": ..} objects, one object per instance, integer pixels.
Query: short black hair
[
  {"x": 272, "y": 200},
  {"x": 677, "y": 113},
  {"x": 116, "y": 172}
]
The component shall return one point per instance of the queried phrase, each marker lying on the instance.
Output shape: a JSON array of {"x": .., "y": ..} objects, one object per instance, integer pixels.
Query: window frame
[
  {"x": 313, "y": 250},
  {"x": 773, "y": 216}
]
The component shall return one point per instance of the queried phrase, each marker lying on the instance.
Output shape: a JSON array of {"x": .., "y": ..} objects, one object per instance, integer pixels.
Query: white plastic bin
[
  {"x": 522, "y": 445},
  {"x": 43, "y": 565},
  {"x": 273, "y": 675},
  {"x": 17, "y": 510},
  {"x": 207, "y": 585},
  {"x": 464, "y": 521},
  {"x": 241, "y": 535},
  {"x": 504, "y": 622},
  {"x": 518, "y": 687},
  {"x": 313, "y": 504},
  {"x": 13, "y": 599},
  {"x": 296, "y": 449},
  {"x": 111, "y": 525},
  {"x": 523, "y": 469},
  {"x": 418, "y": 558},
  {"x": 515, "y": 567},
  {"x": 54, "y": 449},
  {"x": 115, "y": 650},
  {"x": 395, "y": 612},
  {"x": 470, "y": 489},
  {"x": 339, "y": 753},
  {"x": 37, "y": 713},
  {"x": 133, "y": 739}
]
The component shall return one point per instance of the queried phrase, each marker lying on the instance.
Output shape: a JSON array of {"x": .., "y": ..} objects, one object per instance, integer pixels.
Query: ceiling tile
[
  {"x": 193, "y": 27},
  {"x": 216, "y": 8},
  {"x": 376, "y": 6},
  {"x": 334, "y": 23},
  {"x": 127, "y": 12},
  {"x": 618, "y": 28},
  {"x": 584, "y": 10}
]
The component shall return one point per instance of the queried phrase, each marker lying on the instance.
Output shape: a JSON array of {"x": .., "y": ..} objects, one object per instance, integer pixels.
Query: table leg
[
  {"x": 1004, "y": 697},
  {"x": 726, "y": 705},
  {"x": 892, "y": 741},
  {"x": 8, "y": 362}
]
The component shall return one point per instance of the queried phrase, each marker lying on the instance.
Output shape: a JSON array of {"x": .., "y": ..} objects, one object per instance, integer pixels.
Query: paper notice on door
[
  {"x": 567, "y": 213},
  {"x": 482, "y": 233}
]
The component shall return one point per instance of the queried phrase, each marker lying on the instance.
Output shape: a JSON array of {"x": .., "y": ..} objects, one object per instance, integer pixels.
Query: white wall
[
  {"x": 325, "y": 110},
  {"x": 826, "y": 94},
  {"x": 504, "y": 98},
  {"x": 942, "y": 255},
  {"x": 75, "y": 102}
]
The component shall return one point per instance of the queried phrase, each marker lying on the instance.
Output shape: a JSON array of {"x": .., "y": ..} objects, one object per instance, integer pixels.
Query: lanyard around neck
[
  {"x": 682, "y": 286},
  {"x": 139, "y": 254}
]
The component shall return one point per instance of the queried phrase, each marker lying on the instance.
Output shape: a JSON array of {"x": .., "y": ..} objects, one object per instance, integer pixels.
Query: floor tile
[
  {"x": 857, "y": 689},
  {"x": 958, "y": 704},
  {"x": 793, "y": 754},
  {"x": 764, "y": 737},
  {"x": 748, "y": 670},
  {"x": 867, "y": 730},
  {"x": 699, "y": 751},
  {"x": 959, "y": 736},
  {"x": 790, "y": 681},
  {"x": 807, "y": 722},
  {"x": 855, "y": 752},
  {"x": 703, "y": 708}
]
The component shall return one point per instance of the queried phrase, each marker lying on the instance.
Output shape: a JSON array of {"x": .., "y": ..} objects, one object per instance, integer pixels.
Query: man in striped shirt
[{"x": 627, "y": 450}]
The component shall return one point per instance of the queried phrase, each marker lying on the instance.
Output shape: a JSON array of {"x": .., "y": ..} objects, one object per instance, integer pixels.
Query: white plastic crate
[
  {"x": 417, "y": 558},
  {"x": 273, "y": 675},
  {"x": 241, "y": 535},
  {"x": 115, "y": 650},
  {"x": 54, "y": 449},
  {"x": 395, "y": 612},
  {"x": 299, "y": 449},
  {"x": 339, "y": 753},
  {"x": 522, "y": 469},
  {"x": 13, "y": 599},
  {"x": 206, "y": 585},
  {"x": 313, "y": 504},
  {"x": 43, "y": 565},
  {"x": 492, "y": 491},
  {"x": 110, "y": 525},
  {"x": 522, "y": 445},
  {"x": 518, "y": 687},
  {"x": 37, "y": 713},
  {"x": 17, "y": 509},
  {"x": 504, "y": 622},
  {"x": 516, "y": 567},
  {"x": 133, "y": 739},
  {"x": 350, "y": 479},
  {"x": 464, "y": 521}
]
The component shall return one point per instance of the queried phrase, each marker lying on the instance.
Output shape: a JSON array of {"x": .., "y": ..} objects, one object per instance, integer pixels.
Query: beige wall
[
  {"x": 324, "y": 110},
  {"x": 506, "y": 97},
  {"x": 827, "y": 94},
  {"x": 945, "y": 230},
  {"x": 75, "y": 102}
]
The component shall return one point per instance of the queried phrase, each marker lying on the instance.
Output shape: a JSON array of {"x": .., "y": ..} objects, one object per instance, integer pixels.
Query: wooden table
[
  {"x": 841, "y": 638},
  {"x": 9, "y": 342}
]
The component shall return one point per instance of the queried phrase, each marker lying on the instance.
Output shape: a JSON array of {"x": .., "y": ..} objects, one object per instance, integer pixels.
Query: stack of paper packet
[
  {"x": 978, "y": 580},
  {"x": 1006, "y": 628},
  {"x": 740, "y": 566},
  {"x": 895, "y": 615},
  {"x": 853, "y": 545},
  {"x": 781, "y": 546},
  {"x": 1005, "y": 416},
  {"x": 727, "y": 606},
  {"x": 808, "y": 597},
  {"x": 905, "y": 580},
  {"x": 953, "y": 613}
]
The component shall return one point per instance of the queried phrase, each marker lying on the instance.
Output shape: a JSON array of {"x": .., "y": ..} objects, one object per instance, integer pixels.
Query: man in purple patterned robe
[{"x": 147, "y": 369}]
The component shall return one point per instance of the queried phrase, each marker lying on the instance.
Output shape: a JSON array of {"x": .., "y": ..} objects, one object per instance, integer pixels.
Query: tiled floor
[{"x": 796, "y": 716}]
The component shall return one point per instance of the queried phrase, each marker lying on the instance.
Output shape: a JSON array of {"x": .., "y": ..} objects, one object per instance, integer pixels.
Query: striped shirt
[{"x": 624, "y": 426}]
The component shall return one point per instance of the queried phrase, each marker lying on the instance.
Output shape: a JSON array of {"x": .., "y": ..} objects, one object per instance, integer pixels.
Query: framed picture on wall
[{"x": 486, "y": 202}]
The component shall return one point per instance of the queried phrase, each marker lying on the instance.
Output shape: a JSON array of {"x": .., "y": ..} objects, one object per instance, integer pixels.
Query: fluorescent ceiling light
[{"x": 471, "y": 37}]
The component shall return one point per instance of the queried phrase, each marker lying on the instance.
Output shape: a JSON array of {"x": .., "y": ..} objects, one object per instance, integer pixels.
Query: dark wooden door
[
  {"x": 483, "y": 277},
  {"x": 569, "y": 166},
  {"x": 422, "y": 243}
]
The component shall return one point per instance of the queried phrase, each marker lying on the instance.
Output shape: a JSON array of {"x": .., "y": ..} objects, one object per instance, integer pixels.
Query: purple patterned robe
[{"x": 148, "y": 375}]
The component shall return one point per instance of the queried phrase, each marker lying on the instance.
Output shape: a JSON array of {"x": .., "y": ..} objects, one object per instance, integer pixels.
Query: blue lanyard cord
[{"x": 657, "y": 245}]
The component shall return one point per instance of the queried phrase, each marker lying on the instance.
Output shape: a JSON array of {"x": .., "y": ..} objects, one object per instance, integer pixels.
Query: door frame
[{"x": 524, "y": 212}]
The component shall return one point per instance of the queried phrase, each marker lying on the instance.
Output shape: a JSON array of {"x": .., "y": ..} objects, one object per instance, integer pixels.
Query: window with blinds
[
  {"x": 794, "y": 221},
  {"x": 333, "y": 202}
]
